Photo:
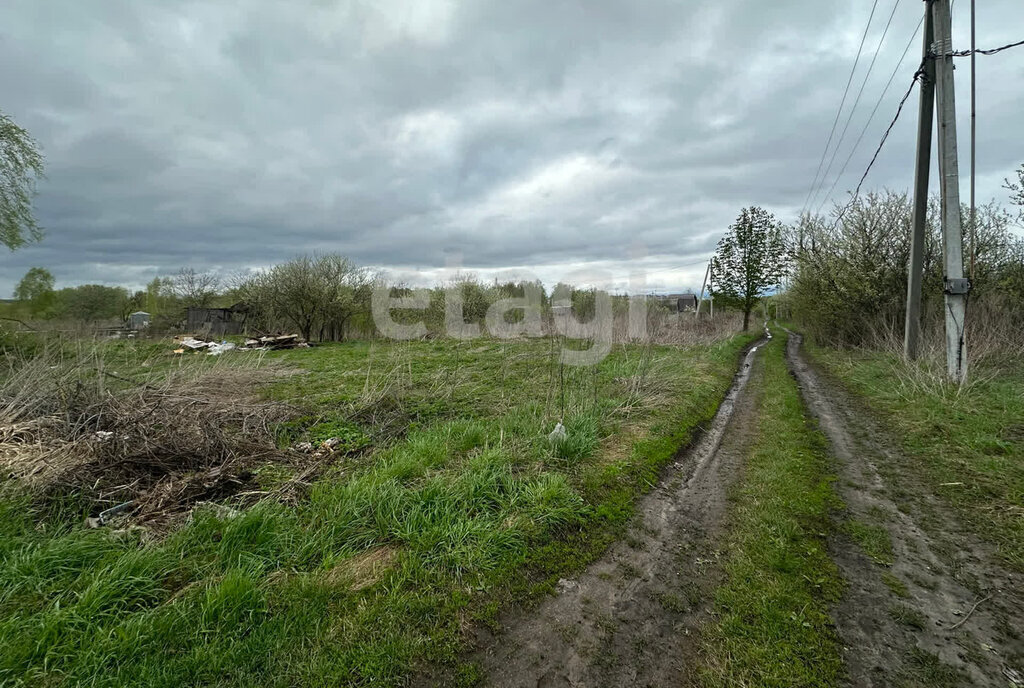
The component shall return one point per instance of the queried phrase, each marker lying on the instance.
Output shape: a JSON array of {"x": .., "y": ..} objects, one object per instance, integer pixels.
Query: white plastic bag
[
  {"x": 218, "y": 349},
  {"x": 558, "y": 435}
]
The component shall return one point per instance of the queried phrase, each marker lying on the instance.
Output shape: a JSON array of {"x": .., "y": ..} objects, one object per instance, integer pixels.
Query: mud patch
[
  {"x": 935, "y": 607},
  {"x": 633, "y": 617}
]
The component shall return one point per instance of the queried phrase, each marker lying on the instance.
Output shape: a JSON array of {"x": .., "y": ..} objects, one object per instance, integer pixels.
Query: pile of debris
[
  {"x": 190, "y": 342},
  {"x": 276, "y": 342},
  {"x": 187, "y": 342},
  {"x": 150, "y": 452}
]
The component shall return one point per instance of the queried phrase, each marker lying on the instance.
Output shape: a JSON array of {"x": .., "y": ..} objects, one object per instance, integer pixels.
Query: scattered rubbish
[
  {"x": 304, "y": 447},
  {"x": 188, "y": 342},
  {"x": 219, "y": 510},
  {"x": 330, "y": 444},
  {"x": 558, "y": 435},
  {"x": 218, "y": 349},
  {"x": 107, "y": 514},
  {"x": 103, "y": 435},
  {"x": 275, "y": 342}
]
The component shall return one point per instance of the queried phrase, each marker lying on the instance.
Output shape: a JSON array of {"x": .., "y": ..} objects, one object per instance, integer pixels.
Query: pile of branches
[{"x": 145, "y": 449}]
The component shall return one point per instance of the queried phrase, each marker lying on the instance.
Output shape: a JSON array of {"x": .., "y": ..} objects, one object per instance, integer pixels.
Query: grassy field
[
  {"x": 447, "y": 502},
  {"x": 968, "y": 442},
  {"x": 772, "y": 615}
]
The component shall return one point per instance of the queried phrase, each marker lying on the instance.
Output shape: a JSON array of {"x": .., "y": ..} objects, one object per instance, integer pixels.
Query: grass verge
[
  {"x": 451, "y": 504},
  {"x": 966, "y": 443},
  {"x": 773, "y": 626}
]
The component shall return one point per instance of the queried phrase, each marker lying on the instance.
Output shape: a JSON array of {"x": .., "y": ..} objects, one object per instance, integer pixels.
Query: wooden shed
[
  {"x": 230, "y": 320},
  {"x": 686, "y": 303}
]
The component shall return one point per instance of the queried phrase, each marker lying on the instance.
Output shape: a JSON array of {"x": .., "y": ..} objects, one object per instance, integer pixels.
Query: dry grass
[
  {"x": 364, "y": 569},
  {"x": 995, "y": 336},
  {"x": 685, "y": 329},
  {"x": 995, "y": 345},
  {"x": 71, "y": 428}
]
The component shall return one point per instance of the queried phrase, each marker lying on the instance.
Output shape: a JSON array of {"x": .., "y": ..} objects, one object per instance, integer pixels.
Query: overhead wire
[
  {"x": 871, "y": 117},
  {"x": 680, "y": 267},
  {"x": 839, "y": 112},
  {"x": 856, "y": 102},
  {"x": 918, "y": 75},
  {"x": 989, "y": 51}
]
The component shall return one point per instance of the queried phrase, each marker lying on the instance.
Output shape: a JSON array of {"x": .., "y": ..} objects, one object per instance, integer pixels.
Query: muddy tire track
[
  {"x": 911, "y": 624},
  {"x": 633, "y": 617}
]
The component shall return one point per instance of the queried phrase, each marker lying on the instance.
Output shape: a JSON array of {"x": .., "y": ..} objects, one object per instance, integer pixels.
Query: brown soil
[
  {"x": 633, "y": 617},
  {"x": 946, "y": 613}
]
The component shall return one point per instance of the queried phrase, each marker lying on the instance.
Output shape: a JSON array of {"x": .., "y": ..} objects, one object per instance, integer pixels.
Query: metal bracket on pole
[{"x": 956, "y": 285}]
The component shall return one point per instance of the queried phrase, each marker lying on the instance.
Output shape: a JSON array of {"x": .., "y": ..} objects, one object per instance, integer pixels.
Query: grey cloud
[{"x": 531, "y": 133}]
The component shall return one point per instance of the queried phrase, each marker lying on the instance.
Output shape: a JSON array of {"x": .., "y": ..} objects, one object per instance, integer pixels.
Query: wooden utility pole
[
  {"x": 926, "y": 110},
  {"x": 955, "y": 286}
]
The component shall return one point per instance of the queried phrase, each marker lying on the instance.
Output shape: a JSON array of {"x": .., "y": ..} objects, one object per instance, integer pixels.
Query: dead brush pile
[{"x": 148, "y": 448}]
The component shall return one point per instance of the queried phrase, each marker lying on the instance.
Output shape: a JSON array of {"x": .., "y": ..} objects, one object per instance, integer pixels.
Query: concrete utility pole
[
  {"x": 926, "y": 112},
  {"x": 700, "y": 299},
  {"x": 711, "y": 288},
  {"x": 974, "y": 140},
  {"x": 955, "y": 286}
]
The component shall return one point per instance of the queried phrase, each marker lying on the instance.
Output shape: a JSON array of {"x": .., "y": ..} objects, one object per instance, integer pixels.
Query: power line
[
  {"x": 680, "y": 267},
  {"x": 871, "y": 117},
  {"x": 856, "y": 102},
  {"x": 839, "y": 112},
  {"x": 990, "y": 51},
  {"x": 919, "y": 74}
]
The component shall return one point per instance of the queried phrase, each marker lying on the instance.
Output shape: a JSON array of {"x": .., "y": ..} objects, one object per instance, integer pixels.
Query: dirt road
[
  {"x": 946, "y": 612},
  {"x": 632, "y": 618},
  {"x": 926, "y": 603}
]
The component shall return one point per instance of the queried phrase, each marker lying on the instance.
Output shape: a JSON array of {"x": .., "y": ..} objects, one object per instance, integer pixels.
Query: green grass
[
  {"x": 895, "y": 584},
  {"x": 873, "y": 539},
  {"x": 966, "y": 444},
  {"x": 908, "y": 616},
  {"x": 773, "y": 626},
  {"x": 449, "y": 504}
]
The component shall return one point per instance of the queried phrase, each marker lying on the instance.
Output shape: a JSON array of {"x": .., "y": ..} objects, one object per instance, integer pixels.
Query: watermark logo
[{"x": 583, "y": 319}]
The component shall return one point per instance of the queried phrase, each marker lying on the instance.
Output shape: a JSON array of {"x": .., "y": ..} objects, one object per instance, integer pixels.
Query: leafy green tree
[
  {"x": 751, "y": 259},
  {"x": 21, "y": 164},
  {"x": 36, "y": 290},
  {"x": 92, "y": 302}
]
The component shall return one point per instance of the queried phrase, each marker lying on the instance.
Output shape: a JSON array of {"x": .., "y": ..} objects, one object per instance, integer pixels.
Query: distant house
[
  {"x": 230, "y": 320},
  {"x": 139, "y": 320},
  {"x": 684, "y": 303}
]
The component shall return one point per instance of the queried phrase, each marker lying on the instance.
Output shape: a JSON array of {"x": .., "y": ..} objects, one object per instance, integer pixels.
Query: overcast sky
[{"x": 542, "y": 135}]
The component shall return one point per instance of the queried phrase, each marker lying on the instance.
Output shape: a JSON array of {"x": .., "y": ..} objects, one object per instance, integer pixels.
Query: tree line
[
  {"x": 322, "y": 297},
  {"x": 843, "y": 276}
]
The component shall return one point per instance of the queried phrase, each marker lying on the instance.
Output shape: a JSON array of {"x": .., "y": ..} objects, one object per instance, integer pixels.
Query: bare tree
[
  {"x": 316, "y": 294},
  {"x": 195, "y": 288}
]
